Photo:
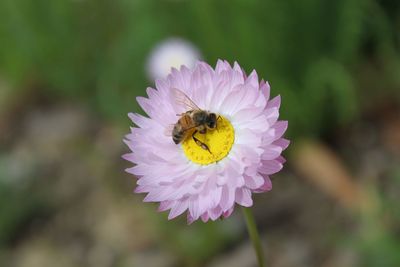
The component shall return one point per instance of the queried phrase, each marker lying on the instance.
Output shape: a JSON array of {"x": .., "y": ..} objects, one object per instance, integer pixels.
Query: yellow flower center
[{"x": 219, "y": 142}]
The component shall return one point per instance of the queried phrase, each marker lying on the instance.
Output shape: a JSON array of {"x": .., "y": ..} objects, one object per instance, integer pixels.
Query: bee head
[{"x": 211, "y": 120}]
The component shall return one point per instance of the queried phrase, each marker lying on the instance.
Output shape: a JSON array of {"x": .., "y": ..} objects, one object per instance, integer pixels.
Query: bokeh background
[{"x": 70, "y": 71}]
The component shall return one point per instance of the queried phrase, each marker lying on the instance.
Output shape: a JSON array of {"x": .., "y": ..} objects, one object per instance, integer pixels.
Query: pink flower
[{"x": 243, "y": 150}]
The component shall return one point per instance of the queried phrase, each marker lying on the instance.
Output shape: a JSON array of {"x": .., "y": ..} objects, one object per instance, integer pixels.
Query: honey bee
[{"x": 194, "y": 118}]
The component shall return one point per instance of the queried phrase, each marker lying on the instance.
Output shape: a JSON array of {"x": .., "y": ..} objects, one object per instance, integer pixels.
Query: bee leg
[{"x": 199, "y": 143}]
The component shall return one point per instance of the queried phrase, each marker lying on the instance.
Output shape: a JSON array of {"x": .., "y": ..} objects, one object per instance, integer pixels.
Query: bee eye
[{"x": 212, "y": 122}]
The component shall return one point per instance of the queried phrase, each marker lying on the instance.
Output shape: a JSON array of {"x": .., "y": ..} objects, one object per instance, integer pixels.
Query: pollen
[{"x": 219, "y": 142}]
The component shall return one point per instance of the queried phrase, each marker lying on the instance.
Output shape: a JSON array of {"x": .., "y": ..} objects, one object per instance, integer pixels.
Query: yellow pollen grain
[{"x": 219, "y": 141}]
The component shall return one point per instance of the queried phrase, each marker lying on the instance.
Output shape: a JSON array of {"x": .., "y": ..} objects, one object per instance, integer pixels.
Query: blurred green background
[{"x": 70, "y": 71}]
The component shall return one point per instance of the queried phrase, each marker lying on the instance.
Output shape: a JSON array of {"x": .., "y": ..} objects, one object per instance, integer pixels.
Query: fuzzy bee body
[
  {"x": 194, "y": 120},
  {"x": 200, "y": 120},
  {"x": 179, "y": 132}
]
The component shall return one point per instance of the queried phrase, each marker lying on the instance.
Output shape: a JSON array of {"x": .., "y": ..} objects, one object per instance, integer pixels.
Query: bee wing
[
  {"x": 183, "y": 100},
  {"x": 168, "y": 130}
]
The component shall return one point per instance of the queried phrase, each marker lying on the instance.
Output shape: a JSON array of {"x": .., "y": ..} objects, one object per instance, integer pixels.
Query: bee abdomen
[{"x": 177, "y": 134}]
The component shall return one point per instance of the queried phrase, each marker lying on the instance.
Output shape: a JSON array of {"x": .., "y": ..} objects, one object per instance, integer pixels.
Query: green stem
[{"x": 255, "y": 237}]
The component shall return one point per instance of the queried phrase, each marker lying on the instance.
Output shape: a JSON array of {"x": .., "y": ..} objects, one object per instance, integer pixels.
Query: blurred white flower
[{"x": 173, "y": 52}]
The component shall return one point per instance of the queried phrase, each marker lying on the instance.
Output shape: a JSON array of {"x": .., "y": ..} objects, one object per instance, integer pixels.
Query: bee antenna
[{"x": 216, "y": 125}]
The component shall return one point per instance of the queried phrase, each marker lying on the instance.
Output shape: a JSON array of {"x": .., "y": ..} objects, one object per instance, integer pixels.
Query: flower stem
[{"x": 255, "y": 237}]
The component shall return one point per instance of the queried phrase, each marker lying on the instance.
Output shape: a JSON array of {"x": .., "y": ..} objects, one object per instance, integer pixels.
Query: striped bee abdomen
[{"x": 177, "y": 134}]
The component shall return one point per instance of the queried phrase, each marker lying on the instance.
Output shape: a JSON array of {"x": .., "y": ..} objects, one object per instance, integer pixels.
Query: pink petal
[
  {"x": 215, "y": 213},
  {"x": 267, "y": 186},
  {"x": 190, "y": 219},
  {"x": 165, "y": 205},
  {"x": 280, "y": 128},
  {"x": 265, "y": 89},
  {"x": 232, "y": 100},
  {"x": 243, "y": 197},
  {"x": 139, "y": 120},
  {"x": 271, "y": 152},
  {"x": 272, "y": 115},
  {"x": 254, "y": 181},
  {"x": 205, "y": 217},
  {"x": 194, "y": 208},
  {"x": 222, "y": 66},
  {"x": 270, "y": 167},
  {"x": 142, "y": 189},
  {"x": 274, "y": 102},
  {"x": 228, "y": 213},
  {"x": 282, "y": 142},
  {"x": 227, "y": 198},
  {"x": 177, "y": 209},
  {"x": 252, "y": 79},
  {"x": 281, "y": 159}
]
